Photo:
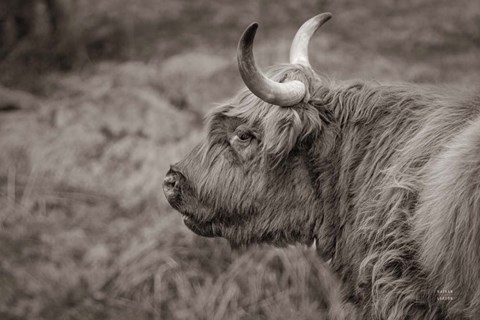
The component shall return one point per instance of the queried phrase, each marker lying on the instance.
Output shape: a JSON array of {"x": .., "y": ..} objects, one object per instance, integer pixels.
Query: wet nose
[
  {"x": 171, "y": 181},
  {"x": 171, "y": 185}
]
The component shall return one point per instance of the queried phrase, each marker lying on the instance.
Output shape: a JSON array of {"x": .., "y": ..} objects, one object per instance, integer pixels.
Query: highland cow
[{"x": 383, "y": 178}]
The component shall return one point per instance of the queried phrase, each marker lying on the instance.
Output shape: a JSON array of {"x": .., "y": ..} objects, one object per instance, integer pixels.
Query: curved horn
[
  {"x": 299, "y": 48},
  {"x": 281, "y": 94}
]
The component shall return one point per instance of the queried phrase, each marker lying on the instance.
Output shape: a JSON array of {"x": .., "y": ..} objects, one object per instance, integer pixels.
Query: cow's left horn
[
  {"x": 299, "y": 48},
  {"x": 281, "y": 94}
]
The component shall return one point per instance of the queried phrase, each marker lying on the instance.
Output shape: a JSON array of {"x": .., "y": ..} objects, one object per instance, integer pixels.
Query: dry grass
[{"x": 85, "y": 232}]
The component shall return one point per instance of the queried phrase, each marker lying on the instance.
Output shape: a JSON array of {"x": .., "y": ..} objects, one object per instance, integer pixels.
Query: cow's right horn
[
  {"x": 299, "y": 48},
  {"x": 281, "y": 94}
]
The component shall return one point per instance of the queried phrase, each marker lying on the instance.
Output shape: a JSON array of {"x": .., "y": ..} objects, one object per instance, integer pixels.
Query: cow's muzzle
[{"x": 172, "y": 187}]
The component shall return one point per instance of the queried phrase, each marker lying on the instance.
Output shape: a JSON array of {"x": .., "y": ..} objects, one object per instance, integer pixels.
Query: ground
[{"x": 85, "y": 230}]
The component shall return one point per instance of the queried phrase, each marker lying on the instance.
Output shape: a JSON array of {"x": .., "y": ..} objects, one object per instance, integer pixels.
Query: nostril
[
  {"x": 170, "y": 181},
  {"x": 172, "y": 187}
]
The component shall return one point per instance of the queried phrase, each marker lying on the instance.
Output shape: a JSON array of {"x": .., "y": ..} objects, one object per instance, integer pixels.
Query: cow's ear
[{"x": 282, "y": 133}]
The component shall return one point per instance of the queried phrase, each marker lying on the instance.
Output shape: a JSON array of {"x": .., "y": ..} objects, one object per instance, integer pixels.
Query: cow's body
[
  {"x": 406, "y": 191},
  {"x": 384, "y": 178}
]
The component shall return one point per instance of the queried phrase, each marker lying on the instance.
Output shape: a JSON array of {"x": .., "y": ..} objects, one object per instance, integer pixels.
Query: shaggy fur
[{"x": 385, "y": 178}]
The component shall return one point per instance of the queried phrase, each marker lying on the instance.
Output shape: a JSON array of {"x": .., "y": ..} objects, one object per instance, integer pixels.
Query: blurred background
[{"x": 97, "y": 98}]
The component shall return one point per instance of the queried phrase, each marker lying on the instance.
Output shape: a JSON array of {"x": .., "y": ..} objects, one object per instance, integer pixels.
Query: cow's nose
[
  {"x": 171, "y": 181},
  {"x": 171, "y": 185}
]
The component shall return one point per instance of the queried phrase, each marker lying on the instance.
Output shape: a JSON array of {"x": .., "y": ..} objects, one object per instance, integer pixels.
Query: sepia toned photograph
[{"x": 257, "y": 159}]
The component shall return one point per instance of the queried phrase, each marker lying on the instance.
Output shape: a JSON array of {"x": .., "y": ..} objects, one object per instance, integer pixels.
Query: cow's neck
[{"x": 339, "y": 169}]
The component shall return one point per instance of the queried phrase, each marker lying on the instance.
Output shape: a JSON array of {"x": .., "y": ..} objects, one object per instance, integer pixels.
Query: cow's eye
[
  {"x": 244, "y": 142},
  {"x": 244, "y": 136}
]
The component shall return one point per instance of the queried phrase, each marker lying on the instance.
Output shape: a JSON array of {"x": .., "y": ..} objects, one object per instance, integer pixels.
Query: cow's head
[{"x": 249, "y": 180}]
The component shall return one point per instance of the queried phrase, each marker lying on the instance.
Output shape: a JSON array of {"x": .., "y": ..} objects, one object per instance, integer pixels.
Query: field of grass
[{"x": 85, "y": 232}]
